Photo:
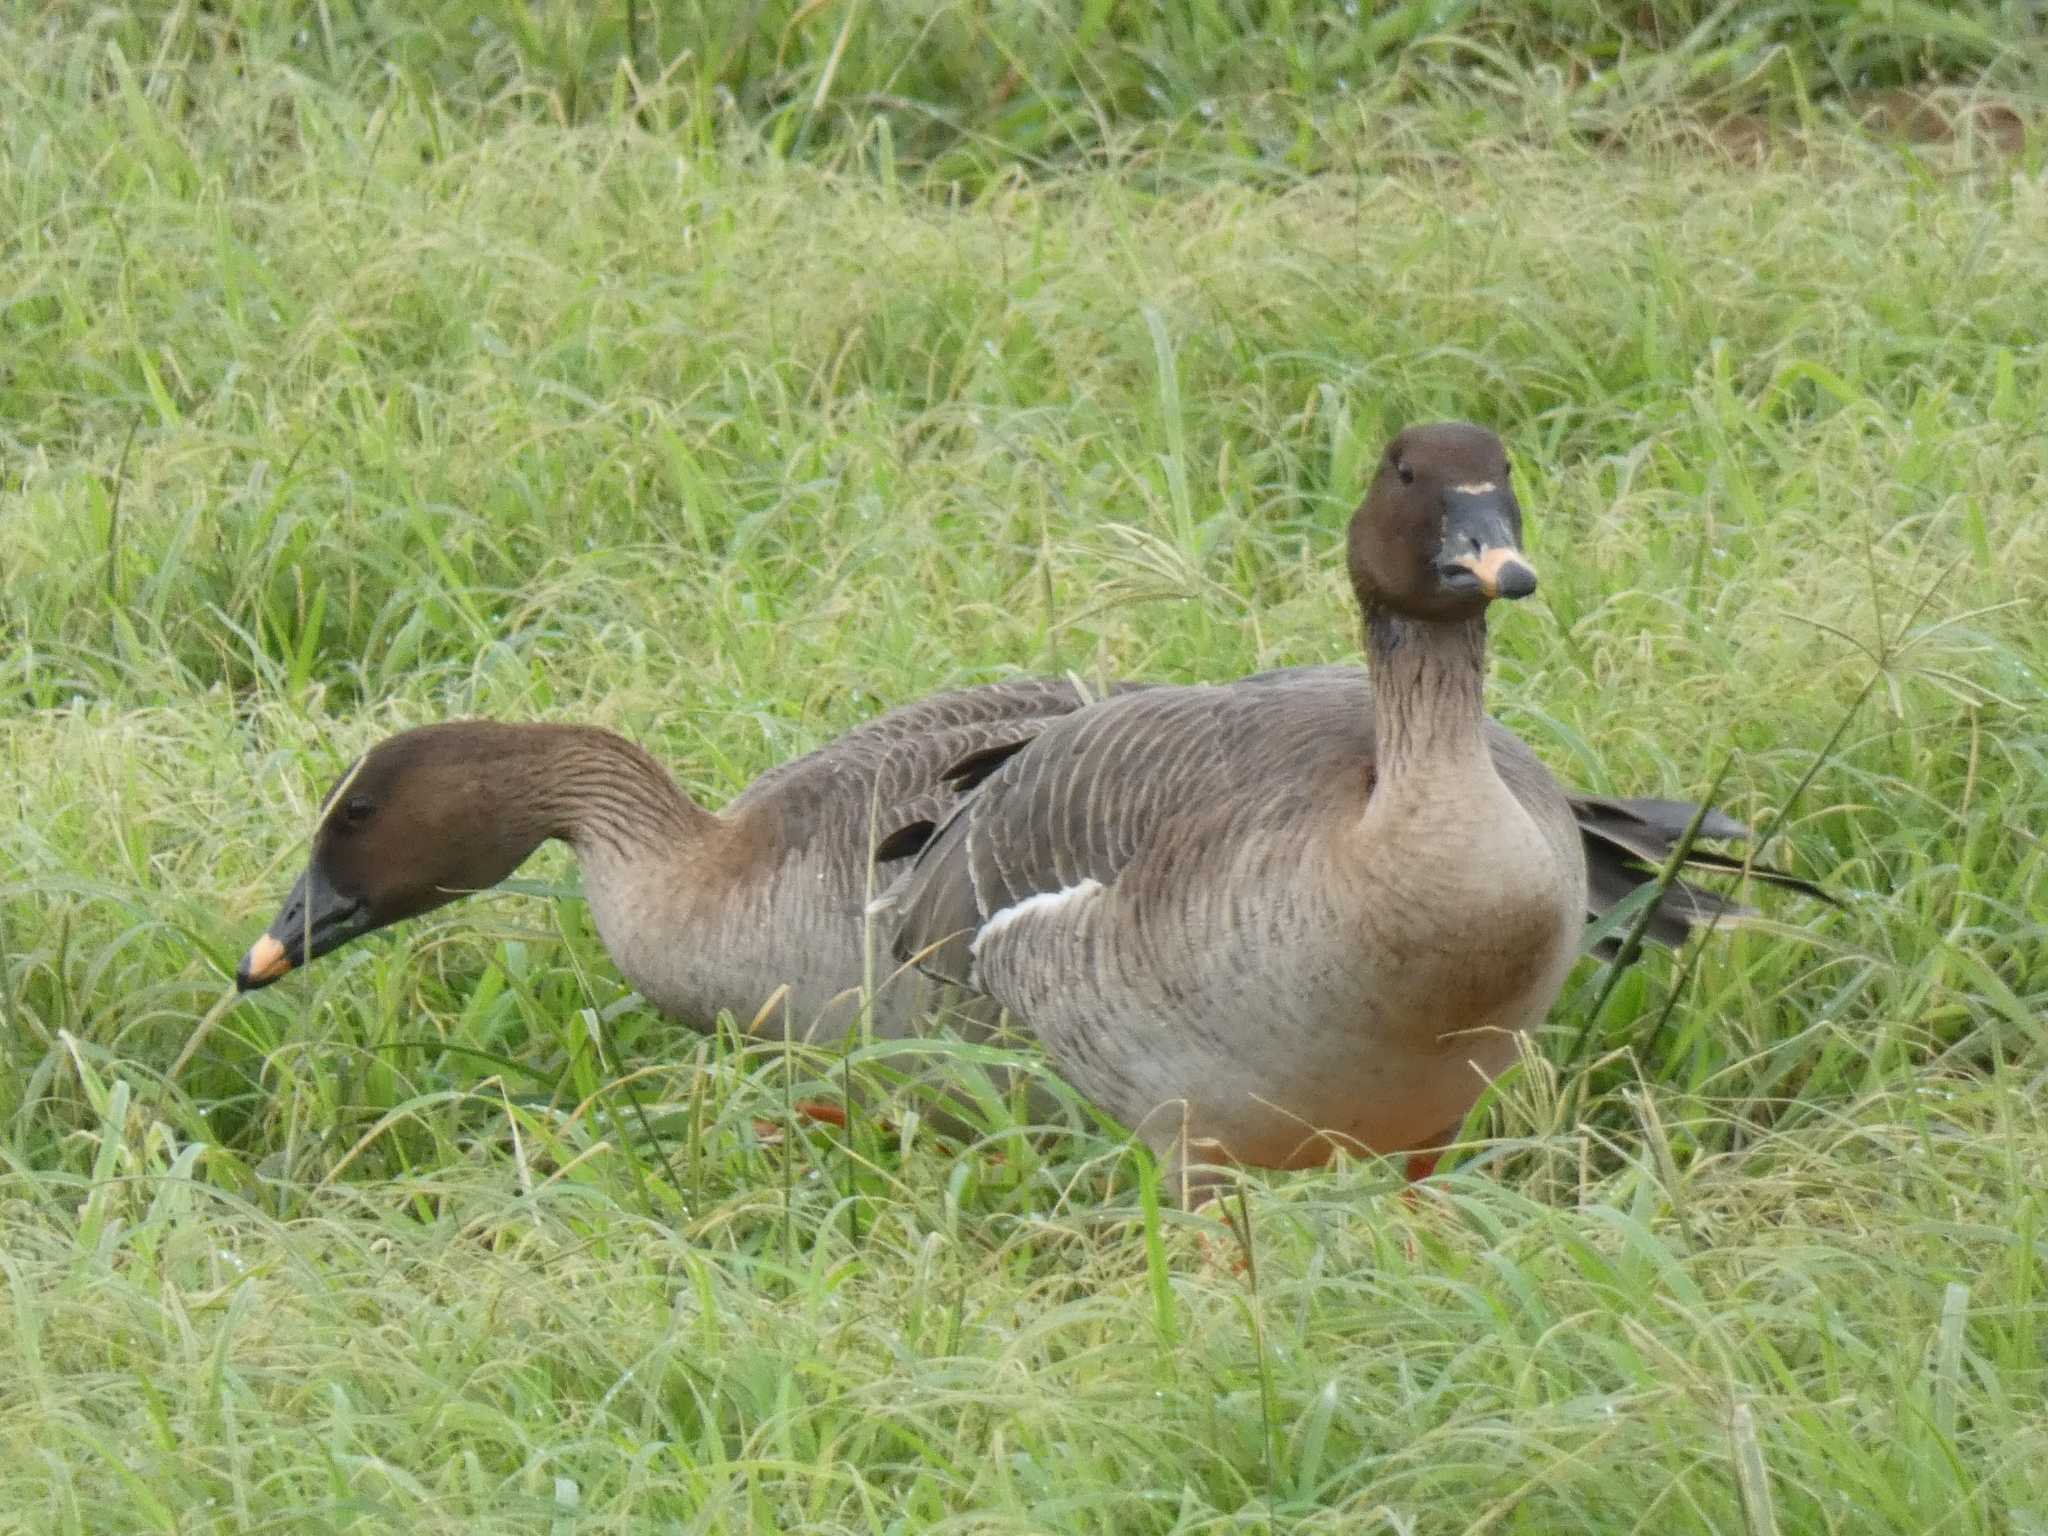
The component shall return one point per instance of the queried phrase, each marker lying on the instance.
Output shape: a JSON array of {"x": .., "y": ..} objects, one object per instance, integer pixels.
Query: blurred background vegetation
[{"x": 976, "y": 87}]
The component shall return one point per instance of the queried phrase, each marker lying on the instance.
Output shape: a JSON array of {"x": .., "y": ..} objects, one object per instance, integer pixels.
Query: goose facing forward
[{"x": 1258, "y": 920}]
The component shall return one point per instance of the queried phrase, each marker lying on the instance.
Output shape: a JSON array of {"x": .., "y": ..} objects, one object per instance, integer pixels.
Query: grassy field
[{"x": 342, "y": 390}]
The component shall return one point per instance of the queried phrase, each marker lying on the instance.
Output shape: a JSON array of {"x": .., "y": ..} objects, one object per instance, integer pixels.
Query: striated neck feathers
[
  {"x": 1429, "y": 685},
  {"x": 603, "y": 795}
]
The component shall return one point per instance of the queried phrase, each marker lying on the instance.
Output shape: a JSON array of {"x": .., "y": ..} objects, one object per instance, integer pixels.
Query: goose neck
[
  {"x": 1429, "y": 694},
  {"x": 606, "y": 797}
]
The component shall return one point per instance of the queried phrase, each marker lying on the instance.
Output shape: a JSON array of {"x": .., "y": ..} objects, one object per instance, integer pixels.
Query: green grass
[
  {"x": 977, "y": 90},
  {"x": 334, "y": 400}
]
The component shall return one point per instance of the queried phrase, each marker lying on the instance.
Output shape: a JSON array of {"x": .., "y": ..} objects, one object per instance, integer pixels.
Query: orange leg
[
  {"x": 1422, "y": 1163},
  {"x": 822, "y": 1111}
]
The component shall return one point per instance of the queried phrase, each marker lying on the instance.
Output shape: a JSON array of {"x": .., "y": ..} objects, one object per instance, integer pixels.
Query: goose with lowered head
[{"x": 703, "y": 912}]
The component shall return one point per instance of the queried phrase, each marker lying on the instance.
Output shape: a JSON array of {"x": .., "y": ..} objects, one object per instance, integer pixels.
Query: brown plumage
[
  {"x": 712, "y": 913},
  {"x": 1625, "y": 839},
  {"x": 1256, "y": 920},
  {"x": 704, "y": 913}
]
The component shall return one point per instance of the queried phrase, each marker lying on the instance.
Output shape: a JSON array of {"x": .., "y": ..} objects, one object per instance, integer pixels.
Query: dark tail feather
[
  {"x": 931, "y": 916},
  {"x": 906, "y": 840},
  {"x": 1627, "y": 842},
  {"x": 971, "y": 770}
]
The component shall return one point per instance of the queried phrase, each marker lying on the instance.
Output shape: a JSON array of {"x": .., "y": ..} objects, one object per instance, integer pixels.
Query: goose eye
[{"x": 1407, "y": 475}]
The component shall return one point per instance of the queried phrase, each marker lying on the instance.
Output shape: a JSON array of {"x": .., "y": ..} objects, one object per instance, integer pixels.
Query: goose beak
[
  {"x": 314, "y": 919},
  {"x": 265, "y": 962},
  {"x": 1481, "y": 551},
  {"x": 1500, "y": 571}
]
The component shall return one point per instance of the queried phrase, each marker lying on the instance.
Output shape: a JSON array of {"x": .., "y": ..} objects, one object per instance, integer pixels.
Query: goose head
[
  {"x": 421, "y": 820},
  {"x": 1439, "y": 534}
]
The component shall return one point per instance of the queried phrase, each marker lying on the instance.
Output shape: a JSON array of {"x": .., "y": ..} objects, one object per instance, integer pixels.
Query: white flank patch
[
  {"x": 1044, "y": 901},
  {"x": 1477, "y": 488}
]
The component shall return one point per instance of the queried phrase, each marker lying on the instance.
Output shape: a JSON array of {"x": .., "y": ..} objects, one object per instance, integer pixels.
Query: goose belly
[
  {"x": 1270, "y": 1018},
  {"x": 1379, "y": 1078}
]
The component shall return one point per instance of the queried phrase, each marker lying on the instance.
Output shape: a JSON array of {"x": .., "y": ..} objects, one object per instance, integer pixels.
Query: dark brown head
[
  {"x": 420, "y": 820},
  {"x": 1439, "y": 535}
]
